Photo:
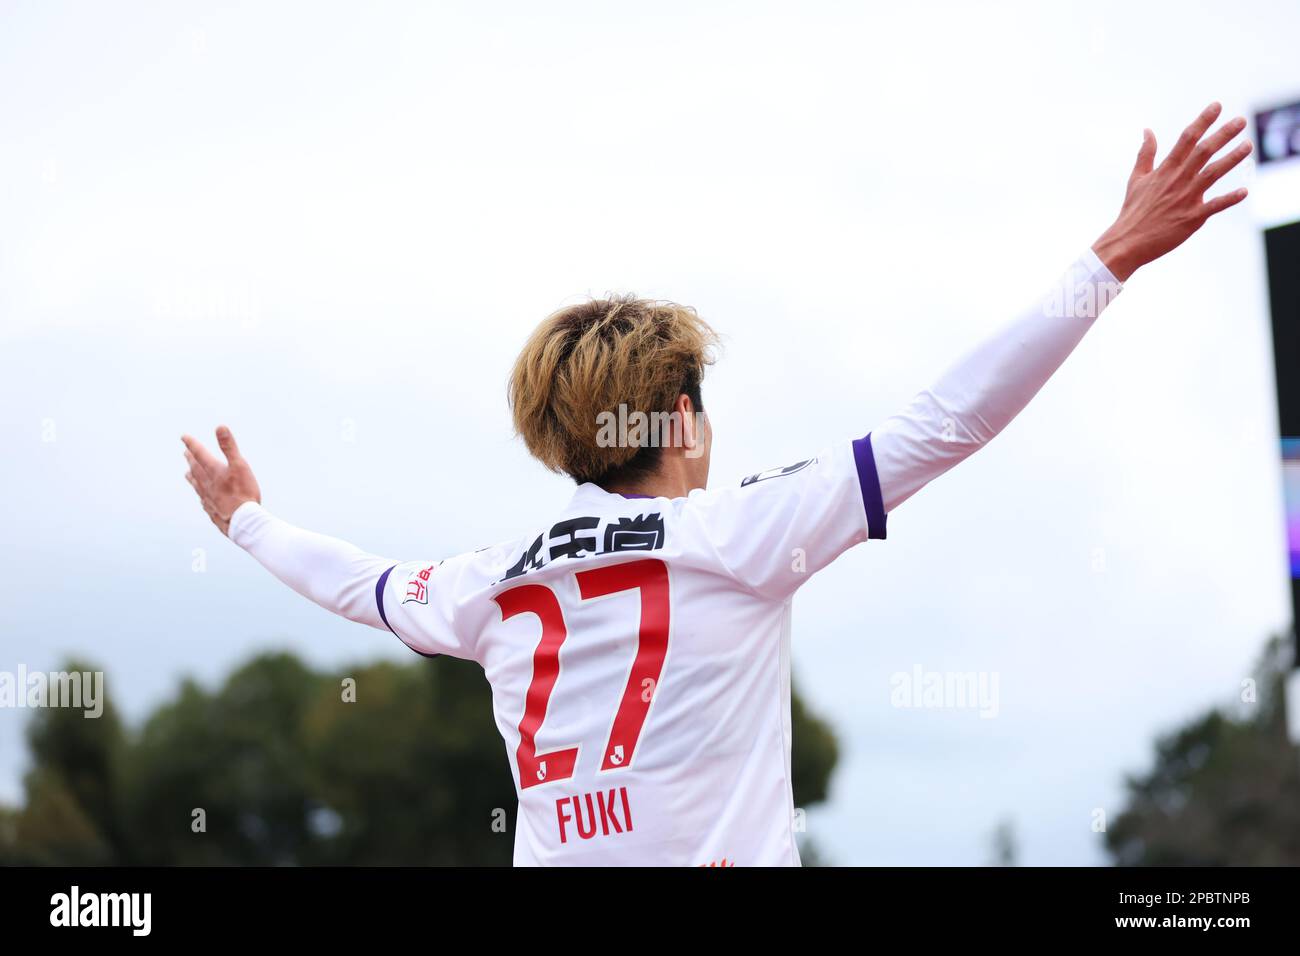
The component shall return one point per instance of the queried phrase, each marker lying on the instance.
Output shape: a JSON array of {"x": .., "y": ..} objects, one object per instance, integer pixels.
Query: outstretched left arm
[
  {"x": 338, "y": 576},
  {"x": 982, "y": 393}
]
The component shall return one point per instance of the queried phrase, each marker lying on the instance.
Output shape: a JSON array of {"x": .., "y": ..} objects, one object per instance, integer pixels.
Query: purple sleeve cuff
[{"x": 869, "y": 482}]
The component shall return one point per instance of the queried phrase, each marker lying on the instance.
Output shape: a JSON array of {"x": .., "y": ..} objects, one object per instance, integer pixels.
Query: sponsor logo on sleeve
[
  {"x": 417, "y": 585},
  {"x": 777, "y": 472}
]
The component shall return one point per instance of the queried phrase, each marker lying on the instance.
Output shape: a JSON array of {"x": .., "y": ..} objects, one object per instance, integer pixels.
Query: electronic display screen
[
  {"x": 1277, "y": 134},
  {"x": 1282, "y": 248}
]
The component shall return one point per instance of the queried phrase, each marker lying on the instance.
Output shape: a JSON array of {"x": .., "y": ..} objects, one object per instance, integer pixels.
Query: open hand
[
  {"x": 1166, "y": 204},
  {"x": 221, "y": 486}
]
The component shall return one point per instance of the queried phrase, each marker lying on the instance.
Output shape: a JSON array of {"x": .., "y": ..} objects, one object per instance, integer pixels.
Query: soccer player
[{"x": 637, "y": 640}]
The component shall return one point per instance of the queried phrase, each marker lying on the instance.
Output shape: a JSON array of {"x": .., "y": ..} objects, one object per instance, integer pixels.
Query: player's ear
[{"x": 684, "y": 412}]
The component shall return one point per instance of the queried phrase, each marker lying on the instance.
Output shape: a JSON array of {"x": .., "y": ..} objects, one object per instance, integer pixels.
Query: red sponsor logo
[{"x": 417, "y": 586}]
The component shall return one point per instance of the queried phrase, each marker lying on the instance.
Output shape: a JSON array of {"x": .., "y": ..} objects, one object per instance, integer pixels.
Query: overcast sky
[{"x": 332, "y": 226}]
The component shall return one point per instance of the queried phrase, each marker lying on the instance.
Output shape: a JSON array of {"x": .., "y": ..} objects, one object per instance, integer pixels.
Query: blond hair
[{"x": 591, "y": 358}]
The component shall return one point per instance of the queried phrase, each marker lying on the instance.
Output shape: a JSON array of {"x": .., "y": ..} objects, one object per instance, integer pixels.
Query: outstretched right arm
[
  {"x": 782, "y": 525},
  {"x": 980, "y": 395}
]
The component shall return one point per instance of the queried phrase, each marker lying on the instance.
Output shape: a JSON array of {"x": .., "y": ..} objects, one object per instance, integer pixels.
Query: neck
[{"x": 657, "y": 485}]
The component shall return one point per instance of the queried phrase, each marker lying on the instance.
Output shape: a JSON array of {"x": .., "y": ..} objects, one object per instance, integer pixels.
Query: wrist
[
  {"x": 1116, "y": 254},
  {"x": 243, "y": 513}
]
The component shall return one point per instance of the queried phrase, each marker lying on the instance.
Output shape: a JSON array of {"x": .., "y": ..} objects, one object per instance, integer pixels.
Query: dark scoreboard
[
  {"x": 1282, "y": 247},
  {"x": 1277, "y": 137}
]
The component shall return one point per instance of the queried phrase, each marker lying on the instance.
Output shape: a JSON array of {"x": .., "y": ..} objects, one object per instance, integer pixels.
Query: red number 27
[{"x": 650, "y": 577}]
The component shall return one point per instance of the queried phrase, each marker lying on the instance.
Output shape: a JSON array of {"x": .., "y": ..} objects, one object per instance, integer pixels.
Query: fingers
[
  {"x": 203, "y": 465},
  {"x": 1212, "y": 173},
  {"x": 198, "y": 490},
  {"x": 1192, "y": 135},
  {"x": 1220, "y": 203},
  {"x": 1216, "y": 141},
  {"x": 198, "y": 478},
  {"x": 214, "y": 516},
  {"x": 1146, "y": 156},
  {"x": 208, "y": 507},
  {"x": 226, "y": 441},
  {"x": 205, "y": 459}
]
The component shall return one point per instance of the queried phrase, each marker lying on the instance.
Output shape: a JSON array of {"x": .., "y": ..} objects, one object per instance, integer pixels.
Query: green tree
[
  {"x": 72, "y": 812},
  {"x": 375, "y": 764},
  {"x": 1225, "y": 788},
  {"x": 235, "y": 757},
  {"x": 1004, "y": 847},
  {"x": 412, "y": 771},
  {"x": 814, "y": 753}
]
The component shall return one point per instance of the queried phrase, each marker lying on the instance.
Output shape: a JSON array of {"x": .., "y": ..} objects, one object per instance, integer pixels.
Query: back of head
[{"x": 592, "y": 358}]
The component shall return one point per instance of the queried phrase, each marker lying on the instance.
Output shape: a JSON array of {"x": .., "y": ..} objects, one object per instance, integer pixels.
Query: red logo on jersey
[{"x": 417, "y": 588}]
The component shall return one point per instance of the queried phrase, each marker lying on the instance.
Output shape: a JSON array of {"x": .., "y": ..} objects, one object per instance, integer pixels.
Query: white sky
[{"x": 313, "y": 220}]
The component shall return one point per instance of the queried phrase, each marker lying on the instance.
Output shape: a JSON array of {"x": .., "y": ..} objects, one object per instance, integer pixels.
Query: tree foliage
[
  {"x": 381, "y": 764},
  {"x": 1224, "y": 790}
]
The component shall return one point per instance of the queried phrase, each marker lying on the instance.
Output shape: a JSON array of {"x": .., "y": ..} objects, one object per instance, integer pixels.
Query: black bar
[{"x": 527, "y": 907}]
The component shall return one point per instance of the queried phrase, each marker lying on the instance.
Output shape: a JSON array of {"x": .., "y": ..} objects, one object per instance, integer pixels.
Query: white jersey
[
  {"x": 638, "y": 649},
  {"x": 638, "y": 652}
]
